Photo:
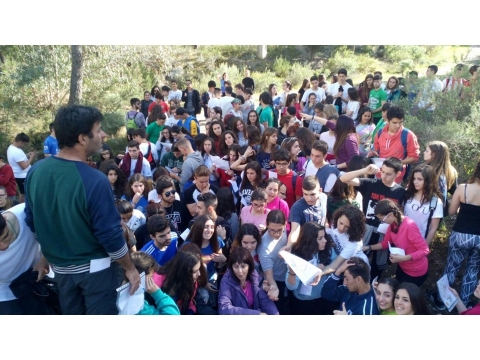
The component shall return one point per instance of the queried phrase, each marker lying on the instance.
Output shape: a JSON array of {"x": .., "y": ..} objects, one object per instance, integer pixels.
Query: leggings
[
  {"x": 460, "y": 247},
  {"x": 401, "y": 276}
]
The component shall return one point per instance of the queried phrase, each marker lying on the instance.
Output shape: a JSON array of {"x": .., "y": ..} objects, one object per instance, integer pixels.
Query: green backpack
[{"x": 131, "y": 122}]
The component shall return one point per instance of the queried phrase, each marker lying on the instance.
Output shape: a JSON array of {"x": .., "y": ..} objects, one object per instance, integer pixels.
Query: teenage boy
[
  {"x": 148, "y": 149},
  {"x": 175, "y": 93},
  {"x": 318, "y": 166},
  {"x": 201, "y": 186},
  {"x": 134, "y": 162},
  {"x": 193, "y": 159},
  {"x": 318, "y": 91},
  {"x": 206, "y": 96},
  {"x": 427, "y": 94},
  {"x": 191, "y": 99},
  {"x": 207, "y": 205},
  {"x": 214, "y": 101},
  {"x": 134, "y": 118},
  {"x": 175, "y": 210},
  {"x": 356, "y": 295},
  {"x": 50, "y": 145},
  {"x": 377, "y": 98},
  {"x": 289, "y": 178},
  {"x": 248, "y": 105},
  {"x": 20, "y": 162},
  {"x": 265, "y": 110},
  {"x": 339, "y": 90},
  {"x": 189, "y": 122},
  {"x": 311, "y": 207},
  {"x": 164, "y": 242},
  {"x": 374, "y": 190},
  {"x": 158, "y": 101},
  {"x": 396, "y": 141}
]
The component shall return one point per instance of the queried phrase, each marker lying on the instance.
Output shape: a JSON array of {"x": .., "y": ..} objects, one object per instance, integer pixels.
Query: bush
[
  {"x": 281, "y": 67},
  {"x": 297, "y": 73}
]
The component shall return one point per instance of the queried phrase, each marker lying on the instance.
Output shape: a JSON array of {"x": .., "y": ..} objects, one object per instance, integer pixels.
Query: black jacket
[{"x": 195, "y": 98}]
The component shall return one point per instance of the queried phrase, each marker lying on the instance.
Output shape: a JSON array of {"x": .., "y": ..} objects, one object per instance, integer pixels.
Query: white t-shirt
[
  {"x": 213, "y": 102},
  {"x": 175, "y": 95},
  {"x": 329, "y": 139},
  {"x": 171, "y": 121},
  {"x": 428, "y": 93},
  {"x": 14, "y": 156},
  {"x": 353, "y": 106},
  {"x": 144, "y": 149},
  {"x": 137, "y": 220},
  {"x": 226, "y": 104},
  {"x": 319, "y": 92},
  {"x": 333, "y": 89},
  {"x": 346, "y": 248},
  {"x": 419, "y": 213}
]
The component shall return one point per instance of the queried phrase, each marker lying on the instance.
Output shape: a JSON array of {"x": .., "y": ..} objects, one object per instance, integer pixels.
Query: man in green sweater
[{"x": 69, "y": 205}]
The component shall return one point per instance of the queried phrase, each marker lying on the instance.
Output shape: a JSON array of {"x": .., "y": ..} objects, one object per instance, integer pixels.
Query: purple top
[{"x": 348, "y": 149}]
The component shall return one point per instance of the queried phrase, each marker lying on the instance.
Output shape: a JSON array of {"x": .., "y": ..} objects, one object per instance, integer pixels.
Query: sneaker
[{"x": 437, "y": 302}]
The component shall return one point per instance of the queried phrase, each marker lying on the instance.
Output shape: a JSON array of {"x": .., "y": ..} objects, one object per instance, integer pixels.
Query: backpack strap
[
  {"x": 404, "y": 138},
  {"x": 433, "y": 205}
]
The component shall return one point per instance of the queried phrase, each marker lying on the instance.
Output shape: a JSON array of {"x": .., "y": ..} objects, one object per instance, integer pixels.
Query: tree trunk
[{"x": 76, "y": 79}]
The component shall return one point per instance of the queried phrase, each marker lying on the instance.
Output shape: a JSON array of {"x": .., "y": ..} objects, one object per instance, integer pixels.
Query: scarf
[{"x": 127, "y": 163}]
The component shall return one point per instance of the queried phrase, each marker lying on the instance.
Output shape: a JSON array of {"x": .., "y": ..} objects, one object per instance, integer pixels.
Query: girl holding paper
[
  {"x": 403, "y": 233},
  {"x": 311, "y": 246}
]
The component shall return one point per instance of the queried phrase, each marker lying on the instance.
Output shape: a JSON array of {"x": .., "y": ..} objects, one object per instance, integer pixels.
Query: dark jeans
[
  {"x": 318, "y": 306},
  {"x": 90, "y": 293},
  {"x": 402, "y": 277}
]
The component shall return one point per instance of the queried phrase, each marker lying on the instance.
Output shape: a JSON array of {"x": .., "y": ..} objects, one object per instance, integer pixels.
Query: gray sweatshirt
[{"x": 193, "y": 161}]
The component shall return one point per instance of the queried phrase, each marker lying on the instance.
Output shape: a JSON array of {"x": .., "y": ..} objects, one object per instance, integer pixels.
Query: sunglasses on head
[{"x": 171, "y": 192}]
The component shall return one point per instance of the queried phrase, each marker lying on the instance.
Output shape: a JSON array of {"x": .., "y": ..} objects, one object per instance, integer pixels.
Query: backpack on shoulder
[{"x": 131, "y": 124}]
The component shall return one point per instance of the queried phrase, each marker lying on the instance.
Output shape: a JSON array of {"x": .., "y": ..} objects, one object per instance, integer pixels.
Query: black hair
[
  {"x": 360, "y": 268},
  {"x": 124, "y": 207},
  {"x": 434, "y": 68},
  {"x": 157, "y": 224},
  {"x": 393, "y": 163},
  {"x": 73, "y": 121},
  {"x": 395, "y": 111}
]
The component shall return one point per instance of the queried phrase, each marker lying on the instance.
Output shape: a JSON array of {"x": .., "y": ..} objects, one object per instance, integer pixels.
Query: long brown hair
[
  {"x": 430, "y": 184},
  {"x": 440, "y": 161},
  {"x": 343, "y": 129},
  {"x": 266, "y": 146}
]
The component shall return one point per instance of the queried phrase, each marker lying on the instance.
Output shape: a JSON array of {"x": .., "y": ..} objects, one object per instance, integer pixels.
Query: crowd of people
[{"x": 328, "y": 173}]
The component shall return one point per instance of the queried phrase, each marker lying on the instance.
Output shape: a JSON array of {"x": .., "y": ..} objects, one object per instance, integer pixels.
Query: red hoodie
[{"x": 7, "y": 179}]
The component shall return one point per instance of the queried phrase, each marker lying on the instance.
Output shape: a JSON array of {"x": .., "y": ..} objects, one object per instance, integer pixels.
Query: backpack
[
  {"x": 131, "y": 124},
  {"x": 149, "y": 157},
  {"x": 433, "y": 205},
  {"x": 464, "y": 82},
  {"x": 403, "y": 138},
  {"x": 275, "y": 116}
]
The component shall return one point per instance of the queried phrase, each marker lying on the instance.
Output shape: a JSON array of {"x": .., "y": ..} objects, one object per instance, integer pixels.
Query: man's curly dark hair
[{"x": 357, "y": 221}]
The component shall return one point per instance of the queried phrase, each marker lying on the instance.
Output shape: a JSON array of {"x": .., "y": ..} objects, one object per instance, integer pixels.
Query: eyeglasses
[
  {"x": 281, "y": 165},
  {"x": 171, "y": 192},
  {"x": 275, "y": 232},
  {"x": 385, "y": 218},
  {"x": 258, "y": 205}
]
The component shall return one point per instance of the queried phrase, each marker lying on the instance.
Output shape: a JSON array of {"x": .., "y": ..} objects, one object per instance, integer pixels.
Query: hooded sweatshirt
[
  {"x": 388, "y": 145},
  {"x": 193, "y": 161},
  {"x": 233, "y": 301},
  {"x": 355, "y": 304}
]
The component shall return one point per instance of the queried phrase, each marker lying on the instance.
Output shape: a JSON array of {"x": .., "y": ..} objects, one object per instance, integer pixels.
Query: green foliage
[
  {"x": 297, "y": 73},
  {"x": 281, "y": 67},
  {"x": 112, "y": 122},
  {"x": 345, "y": 58},
  {"x": 287, "y": 51},
  {"x": 263, "y": 80}
]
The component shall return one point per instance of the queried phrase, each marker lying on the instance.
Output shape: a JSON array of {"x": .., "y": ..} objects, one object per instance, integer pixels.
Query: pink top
[
  {"x": 246, "y": 216},
  {"x": 409, "y": 239},
  {"x": 279, "y": 204},
  {"x": 248, "y": 293}
]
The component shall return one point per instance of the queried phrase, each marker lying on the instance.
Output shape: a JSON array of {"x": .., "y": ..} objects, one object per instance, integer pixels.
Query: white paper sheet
[
  {"x": 378, "y": 162},
  {"x": 99, "y": 264},
  {"x": 131, "y": 304},
  {"x": 184, "y": 234},
  {"x": 272, "y": 174},
  {"x": 305, "y": 271},
  {"x": 219, "y": 163},
  {"x": 445, "y": 293},
  {"x": 396, "y": 250}
]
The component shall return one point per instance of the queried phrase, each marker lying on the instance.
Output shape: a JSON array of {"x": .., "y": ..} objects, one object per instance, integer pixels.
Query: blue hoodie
[{"x": 354, "y": 304}]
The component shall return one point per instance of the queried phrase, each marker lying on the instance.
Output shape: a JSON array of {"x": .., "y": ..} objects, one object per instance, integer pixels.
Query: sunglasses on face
[{"x": 171, "y": 192}]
